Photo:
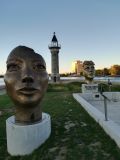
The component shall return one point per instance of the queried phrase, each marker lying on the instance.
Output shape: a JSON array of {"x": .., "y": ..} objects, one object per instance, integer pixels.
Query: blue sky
[{"x": 86, "y": 30}]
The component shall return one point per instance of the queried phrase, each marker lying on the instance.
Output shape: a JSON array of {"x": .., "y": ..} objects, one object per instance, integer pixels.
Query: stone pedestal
[
  {"x": 24, "y": 139},
  {"x": 55, "y": 77},
  {"x": 89, "y": 88}
]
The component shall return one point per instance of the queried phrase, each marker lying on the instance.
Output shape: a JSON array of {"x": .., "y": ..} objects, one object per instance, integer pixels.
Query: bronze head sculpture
[
  {"x": 26, "y": 82},
  {"x": 88, "y": 71}
]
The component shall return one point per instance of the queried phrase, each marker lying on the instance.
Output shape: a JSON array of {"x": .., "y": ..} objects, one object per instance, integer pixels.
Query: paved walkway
[
  {"x": 95, "y": 109},
  {"x": 113, "y": 109},
  {"x": 2, "y": 90}
]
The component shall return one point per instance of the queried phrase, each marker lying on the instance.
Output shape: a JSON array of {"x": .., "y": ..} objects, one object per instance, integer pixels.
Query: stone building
[{"x": 77, "y": 67}]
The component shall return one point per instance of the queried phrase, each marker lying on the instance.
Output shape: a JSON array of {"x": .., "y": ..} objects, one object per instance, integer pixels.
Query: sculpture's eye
[
  {"x": 87, "y": 68},
  {"x": 13, "y": 67},
  {"x": 39, "y": 67}
]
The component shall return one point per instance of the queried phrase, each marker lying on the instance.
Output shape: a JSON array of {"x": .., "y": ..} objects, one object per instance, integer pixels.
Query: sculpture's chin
[
  {"x": 89, "y": 77},
  {"x": 27, "y": 101},
  {"x": 27, "y": 104}
]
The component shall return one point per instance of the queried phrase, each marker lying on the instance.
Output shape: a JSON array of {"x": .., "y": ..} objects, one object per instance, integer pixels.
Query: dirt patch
[
  {"x": 53, "y": 149},
  {"x": 65, "y": 139},
  {"x": 83, "y": 124},
  {"x": 96, "y": 144},
  {"x": 69, "y": 125},
  {"x": 0, "y": 113},
  {"x": 62, "y": 154},
  {"x": 6, "y": 110}
]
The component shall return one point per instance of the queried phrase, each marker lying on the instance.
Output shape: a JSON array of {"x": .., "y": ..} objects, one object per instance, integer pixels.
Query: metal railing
[
  {"x": 105, "y": 106},
  {"x": 105, "y": 102}
]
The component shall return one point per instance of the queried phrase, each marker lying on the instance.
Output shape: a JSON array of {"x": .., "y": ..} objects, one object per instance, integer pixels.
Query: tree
[
  {"x": 99, "y": 72},
  {"x": 106, "y": 71},
  {"x": 115, "y": 70}
]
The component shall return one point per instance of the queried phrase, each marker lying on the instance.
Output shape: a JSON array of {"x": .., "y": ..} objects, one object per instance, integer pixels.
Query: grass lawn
[{"x": 75, "y": 135}]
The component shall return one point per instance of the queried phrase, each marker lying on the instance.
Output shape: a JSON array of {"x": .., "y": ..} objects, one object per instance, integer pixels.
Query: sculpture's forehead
[
  {"x": 29, "y": 56},
  {"x": 89, "y": 64}
]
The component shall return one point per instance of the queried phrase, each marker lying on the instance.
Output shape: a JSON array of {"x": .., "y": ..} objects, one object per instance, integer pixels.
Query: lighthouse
[{"x": 54, "y": 49}]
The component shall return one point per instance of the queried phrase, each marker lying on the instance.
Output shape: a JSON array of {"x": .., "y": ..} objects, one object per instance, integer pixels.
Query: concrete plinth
[
  {"x": 55, "y": 77},
  {"x": 24, "y": 139},
  {"x": 89, "y": 88},
  {"x": 96, "y": 110}
]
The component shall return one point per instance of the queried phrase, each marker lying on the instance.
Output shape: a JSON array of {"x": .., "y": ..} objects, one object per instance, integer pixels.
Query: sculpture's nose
[
  {"x": 27, "y": 76},
  {"x": 91, "y": 69},
  {"x": 27, "y": 79}
]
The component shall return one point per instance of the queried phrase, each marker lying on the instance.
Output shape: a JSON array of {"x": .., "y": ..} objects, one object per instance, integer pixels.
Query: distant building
[{"x": 77, "y": 67}]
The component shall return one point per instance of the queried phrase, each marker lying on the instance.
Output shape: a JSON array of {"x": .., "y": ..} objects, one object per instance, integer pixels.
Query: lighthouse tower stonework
[{"x": 54, "y": 49}]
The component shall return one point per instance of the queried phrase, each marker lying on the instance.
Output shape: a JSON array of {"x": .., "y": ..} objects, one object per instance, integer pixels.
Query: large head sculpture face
[
  {"x": 26, "y": 78},
  {"x": 88, "y": 70}
]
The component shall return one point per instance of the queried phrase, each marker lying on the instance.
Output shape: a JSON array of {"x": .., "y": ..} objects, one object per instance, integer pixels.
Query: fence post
[{"x": 105, "y": 108}]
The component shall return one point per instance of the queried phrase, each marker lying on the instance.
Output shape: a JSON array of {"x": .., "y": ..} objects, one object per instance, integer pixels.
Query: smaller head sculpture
[
  {"x": 88, "y": 71},
  {"x": 26, "y": 82}
]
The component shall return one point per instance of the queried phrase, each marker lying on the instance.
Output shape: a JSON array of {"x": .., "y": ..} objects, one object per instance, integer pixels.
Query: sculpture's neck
[
  {"x": 89, "y": 80},
  {"x": 28, "y": 115}
]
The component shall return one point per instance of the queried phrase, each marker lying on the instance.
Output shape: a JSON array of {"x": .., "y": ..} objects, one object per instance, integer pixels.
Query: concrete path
[
  {"x": 113, "y": 109},
  {"x": 96, "y": 110},
  {"x": 2, "y": 90}
]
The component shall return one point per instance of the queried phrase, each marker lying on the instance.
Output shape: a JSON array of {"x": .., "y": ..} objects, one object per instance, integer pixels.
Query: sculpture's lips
[{"x": 27, "y": 90}]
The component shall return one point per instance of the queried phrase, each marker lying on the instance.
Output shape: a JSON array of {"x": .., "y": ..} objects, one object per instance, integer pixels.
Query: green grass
[
  {"x": 75, "y": 135},
  {"x": 113, "y": 88},
  {"x": 73, "y": 86}
]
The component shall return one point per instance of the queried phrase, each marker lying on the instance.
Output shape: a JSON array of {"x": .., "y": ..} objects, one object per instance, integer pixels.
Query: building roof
[{"x": 54, "y": 39}]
